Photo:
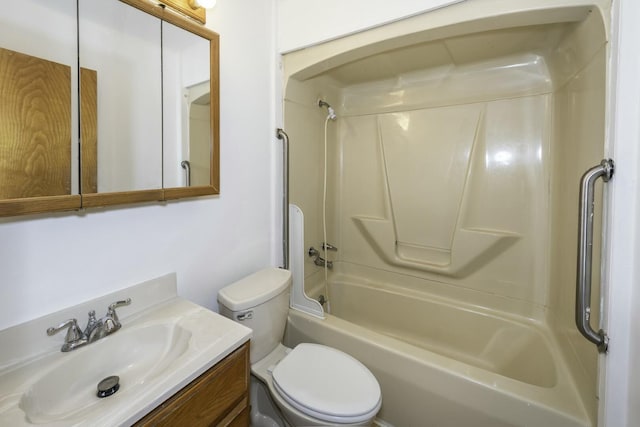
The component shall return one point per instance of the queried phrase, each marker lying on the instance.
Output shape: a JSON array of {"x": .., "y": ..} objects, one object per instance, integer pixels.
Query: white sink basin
[
  {"x": 135, "y": 355},
  {"x": 165, "y": 343}
]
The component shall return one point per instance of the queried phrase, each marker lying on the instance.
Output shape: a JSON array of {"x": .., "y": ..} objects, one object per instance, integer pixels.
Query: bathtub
[{"x": 441, "y": 363}]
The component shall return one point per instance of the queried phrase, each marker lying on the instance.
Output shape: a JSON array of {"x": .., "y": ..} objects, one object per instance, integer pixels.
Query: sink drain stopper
[{"x": 108, "y": 386}]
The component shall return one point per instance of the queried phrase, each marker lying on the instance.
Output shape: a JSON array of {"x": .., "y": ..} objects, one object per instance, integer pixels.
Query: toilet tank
[{"x": 260, "y": 302}]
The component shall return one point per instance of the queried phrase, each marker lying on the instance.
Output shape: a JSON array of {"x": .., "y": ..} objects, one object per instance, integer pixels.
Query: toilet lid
[{"x": 327, "y": 384}]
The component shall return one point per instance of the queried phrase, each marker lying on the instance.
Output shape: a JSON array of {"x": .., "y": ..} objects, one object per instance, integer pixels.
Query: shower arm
[
  {"x": 331, "y": 112},
  {"x": 585, "y": 249},
  {"x": 281, "y": 134}
]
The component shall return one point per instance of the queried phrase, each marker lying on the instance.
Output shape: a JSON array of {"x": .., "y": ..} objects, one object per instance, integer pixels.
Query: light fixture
[
  {"x": 206, "y": 4},
  {"x": 195, "y": 9}
]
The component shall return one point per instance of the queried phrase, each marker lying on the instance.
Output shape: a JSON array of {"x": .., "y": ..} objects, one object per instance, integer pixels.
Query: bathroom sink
[
  {"x": 137, "y": 356},
  {"x": 164, "y": 344}
]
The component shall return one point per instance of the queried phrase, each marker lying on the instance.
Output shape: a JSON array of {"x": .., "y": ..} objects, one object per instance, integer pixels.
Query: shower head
[
  {"x": 332, "y": 114},
  {"x": 331, "y": 111}
]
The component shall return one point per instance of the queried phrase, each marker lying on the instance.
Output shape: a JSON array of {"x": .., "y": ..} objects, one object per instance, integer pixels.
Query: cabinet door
[{"x": 218, "y": 397}]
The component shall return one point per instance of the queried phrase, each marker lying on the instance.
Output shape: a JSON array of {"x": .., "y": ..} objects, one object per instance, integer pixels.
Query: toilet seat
[{"x": 327, "y": 384}]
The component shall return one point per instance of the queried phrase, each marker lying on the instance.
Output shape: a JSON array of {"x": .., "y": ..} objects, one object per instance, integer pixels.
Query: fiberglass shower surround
[{"x": 452, "y": 188}]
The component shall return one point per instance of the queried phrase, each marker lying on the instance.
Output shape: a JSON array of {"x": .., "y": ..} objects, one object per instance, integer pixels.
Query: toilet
[{"x": 311, "y": 384}]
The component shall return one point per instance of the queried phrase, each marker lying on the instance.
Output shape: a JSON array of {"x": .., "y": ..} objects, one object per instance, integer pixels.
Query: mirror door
[
  {"x": 121, "y": 103},
  {"x": 38, "y": 112},
  {"x": 187, "y": 108},
  {"x": 191, "y": 117}
]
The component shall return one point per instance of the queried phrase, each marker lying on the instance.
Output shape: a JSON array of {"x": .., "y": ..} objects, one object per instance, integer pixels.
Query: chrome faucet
[
  {"x": 74, "y": 339},
  {"x": 95, "y": 329},
  {"x": 320, "y": 261}
]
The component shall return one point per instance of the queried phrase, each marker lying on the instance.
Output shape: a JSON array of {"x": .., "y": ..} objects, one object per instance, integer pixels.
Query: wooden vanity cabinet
[{"x": 219, "y": 397}]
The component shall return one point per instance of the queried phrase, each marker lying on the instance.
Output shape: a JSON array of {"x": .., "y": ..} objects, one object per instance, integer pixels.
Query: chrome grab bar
[
  {"x": 281, "y": 134},
  {"x": 186, "y": 165},
  {"x": 585, "y": 248}
]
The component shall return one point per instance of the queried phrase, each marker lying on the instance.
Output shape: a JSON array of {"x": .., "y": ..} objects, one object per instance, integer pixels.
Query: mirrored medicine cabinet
[{"x": 103, "y": 103}]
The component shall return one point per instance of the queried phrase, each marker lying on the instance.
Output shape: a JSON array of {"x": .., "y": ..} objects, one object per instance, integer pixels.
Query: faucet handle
[
  {"x": 117, "y": 304},
  {"x": 112, "y": 307},
  {"x": 73, "y": 331},
  {"x": 74, "y": 337},
  {"x": 111, "y": 322},
  {"x": 328, "y": 247}
]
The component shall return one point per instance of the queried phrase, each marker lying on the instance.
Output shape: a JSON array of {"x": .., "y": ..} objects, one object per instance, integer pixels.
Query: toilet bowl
[
  {"x": 317, "y": 385},
  {"x": 311, "y": 384}
]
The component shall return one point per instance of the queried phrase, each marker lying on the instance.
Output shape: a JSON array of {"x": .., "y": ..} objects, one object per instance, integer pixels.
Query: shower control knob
[{"x": 328, "y": 247}]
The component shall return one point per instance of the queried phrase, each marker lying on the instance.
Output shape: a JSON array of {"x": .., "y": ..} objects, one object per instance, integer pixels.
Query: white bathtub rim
[
  {"x": 342, "y": 278},
  {"x": 474, "y": 299}
]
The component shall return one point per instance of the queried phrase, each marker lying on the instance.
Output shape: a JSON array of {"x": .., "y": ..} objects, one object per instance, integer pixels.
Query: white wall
[
  {"x": 48, "y": 262},
  {"x": 303, "y": 23}
]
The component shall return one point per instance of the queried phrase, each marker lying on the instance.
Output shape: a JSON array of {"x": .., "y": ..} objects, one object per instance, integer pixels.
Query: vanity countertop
[{"x": 164, "y": 344}]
